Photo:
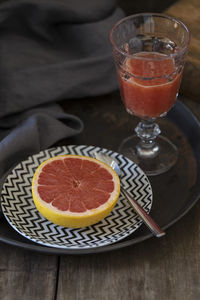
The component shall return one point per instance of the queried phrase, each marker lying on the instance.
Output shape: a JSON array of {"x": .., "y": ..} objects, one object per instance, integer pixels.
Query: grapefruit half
[{"x": 75, "y": 191}]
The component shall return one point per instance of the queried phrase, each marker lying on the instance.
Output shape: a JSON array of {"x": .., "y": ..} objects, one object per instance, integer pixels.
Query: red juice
[{"x": 149, "y": 86}]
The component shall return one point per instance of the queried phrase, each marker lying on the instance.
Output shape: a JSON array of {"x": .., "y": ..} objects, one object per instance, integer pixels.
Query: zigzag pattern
[{"x": 22, "y": 215}]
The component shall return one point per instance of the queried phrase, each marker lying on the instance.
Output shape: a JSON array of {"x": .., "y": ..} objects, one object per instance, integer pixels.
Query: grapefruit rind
[{"x": 73, "y": 219}]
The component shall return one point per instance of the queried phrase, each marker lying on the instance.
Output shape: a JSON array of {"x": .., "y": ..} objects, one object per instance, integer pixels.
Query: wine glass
[{"x": 149, "y": 51}]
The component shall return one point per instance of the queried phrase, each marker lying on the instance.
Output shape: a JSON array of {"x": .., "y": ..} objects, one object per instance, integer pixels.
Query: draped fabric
[{"x": 50, "y": 50}]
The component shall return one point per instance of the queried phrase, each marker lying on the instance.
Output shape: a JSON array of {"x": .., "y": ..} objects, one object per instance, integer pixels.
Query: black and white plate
[{"x": 19, "y": 209}]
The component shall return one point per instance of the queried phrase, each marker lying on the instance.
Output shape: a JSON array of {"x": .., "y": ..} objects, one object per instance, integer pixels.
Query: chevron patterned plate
[{"x": 22, "y": 215}]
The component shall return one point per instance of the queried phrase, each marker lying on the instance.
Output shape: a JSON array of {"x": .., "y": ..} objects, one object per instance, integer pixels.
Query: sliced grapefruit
[{"x": 75, "y": 191}]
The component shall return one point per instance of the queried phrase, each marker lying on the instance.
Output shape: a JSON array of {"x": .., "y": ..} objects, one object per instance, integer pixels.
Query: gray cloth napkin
[
  {"x": 50, "y": 50},
  {"x": 28, "y": 133}
]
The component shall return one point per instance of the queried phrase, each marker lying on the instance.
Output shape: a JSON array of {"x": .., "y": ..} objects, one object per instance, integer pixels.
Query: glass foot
[{"x": 154, "y": 161}]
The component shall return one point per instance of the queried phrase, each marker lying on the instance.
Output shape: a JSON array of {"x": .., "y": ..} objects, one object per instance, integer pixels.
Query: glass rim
[{"x": 182, "y": 50}]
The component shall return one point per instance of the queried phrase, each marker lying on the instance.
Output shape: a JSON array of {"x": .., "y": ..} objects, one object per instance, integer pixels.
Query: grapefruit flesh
[{"x": 75, "y": 191}]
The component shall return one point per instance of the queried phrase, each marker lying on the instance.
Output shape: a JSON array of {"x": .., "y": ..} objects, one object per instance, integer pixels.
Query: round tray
[{"x": 169, "y": 204}]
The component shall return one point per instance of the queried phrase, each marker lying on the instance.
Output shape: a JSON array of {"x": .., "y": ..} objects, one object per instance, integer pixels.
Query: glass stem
[{"x": 147, "y": 130}]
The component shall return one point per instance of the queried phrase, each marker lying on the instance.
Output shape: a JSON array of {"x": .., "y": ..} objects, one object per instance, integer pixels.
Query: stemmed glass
[{"x": 149, "y": 51}]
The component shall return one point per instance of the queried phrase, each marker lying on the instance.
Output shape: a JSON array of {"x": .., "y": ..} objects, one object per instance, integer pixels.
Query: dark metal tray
[{"x": 175, "y": 192}]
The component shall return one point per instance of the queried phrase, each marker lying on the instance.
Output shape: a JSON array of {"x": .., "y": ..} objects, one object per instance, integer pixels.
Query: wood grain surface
[
  {"x": 27, "y": 275},
  {"x": 189, "y": 12}
]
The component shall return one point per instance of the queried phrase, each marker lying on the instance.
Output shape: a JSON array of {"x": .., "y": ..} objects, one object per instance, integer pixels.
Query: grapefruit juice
[{"x": 149, "y": 83}]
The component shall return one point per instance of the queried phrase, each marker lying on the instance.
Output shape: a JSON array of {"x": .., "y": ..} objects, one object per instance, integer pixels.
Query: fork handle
[{"x": 155, "y": 229}]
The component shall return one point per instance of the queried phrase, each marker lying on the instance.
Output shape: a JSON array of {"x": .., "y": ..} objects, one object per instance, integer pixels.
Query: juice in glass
[{"x": 149, "y": 83}]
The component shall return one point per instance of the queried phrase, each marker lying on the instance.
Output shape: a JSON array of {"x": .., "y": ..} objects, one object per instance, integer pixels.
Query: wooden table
[{"x": 165, "y": 268}]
